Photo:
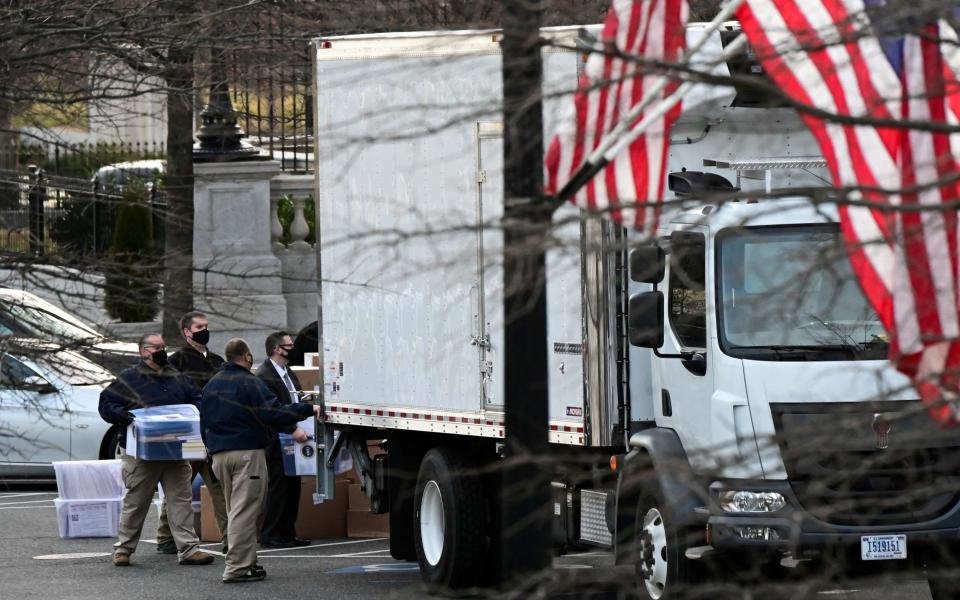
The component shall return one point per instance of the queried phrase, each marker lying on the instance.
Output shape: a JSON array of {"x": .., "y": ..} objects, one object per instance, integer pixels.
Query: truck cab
[{"x": 778, "y": 425}]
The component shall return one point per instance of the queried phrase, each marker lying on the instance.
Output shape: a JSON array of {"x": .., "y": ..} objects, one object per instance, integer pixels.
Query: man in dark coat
[
  {"x": 237, "y": 413},
  {"x": 307, "y": 341},
  {"x": 199, "y": 364},
  {"x": 283, "y": 493},
  {"x": 151, "y": 383}
]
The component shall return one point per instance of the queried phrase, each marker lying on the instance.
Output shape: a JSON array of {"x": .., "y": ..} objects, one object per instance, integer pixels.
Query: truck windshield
[{"x": 789, "y": 293}]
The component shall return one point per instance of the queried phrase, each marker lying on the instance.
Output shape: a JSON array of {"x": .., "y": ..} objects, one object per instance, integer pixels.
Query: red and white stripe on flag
[
  {"x": 901, "y": 240},
  {"x": 630, "y": 188}
]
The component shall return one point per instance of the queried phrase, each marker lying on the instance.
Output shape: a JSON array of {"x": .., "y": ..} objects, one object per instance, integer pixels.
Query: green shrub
[{"x": 132, "y": 272}]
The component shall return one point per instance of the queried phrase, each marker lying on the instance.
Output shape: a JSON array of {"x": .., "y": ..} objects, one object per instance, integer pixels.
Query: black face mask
[
  {"x": 201, "y": 337},
  {"x": 159, "y": 358}
]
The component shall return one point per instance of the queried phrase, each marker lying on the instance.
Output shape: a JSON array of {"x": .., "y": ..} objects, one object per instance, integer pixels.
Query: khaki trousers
[
  {"x": 216, "y": 496},
  {"x": 141, "y": 478},
  {"x": 243, "y": 474}
]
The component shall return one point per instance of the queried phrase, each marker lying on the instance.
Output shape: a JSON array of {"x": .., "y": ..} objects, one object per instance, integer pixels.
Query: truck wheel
[
  {"x": 450, "y": 520},
  {"x": 663, "y": 570},
  {"x": 944, "y": 588}
]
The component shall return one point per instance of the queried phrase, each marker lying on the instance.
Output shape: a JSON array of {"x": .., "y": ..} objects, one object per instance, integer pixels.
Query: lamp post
[{"x": 219, "y": 138}]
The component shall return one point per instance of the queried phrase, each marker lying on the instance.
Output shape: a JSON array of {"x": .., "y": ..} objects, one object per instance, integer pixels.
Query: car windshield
[
  {"x": 36, "y": 318},
  {"x": 789, "y": 293}
]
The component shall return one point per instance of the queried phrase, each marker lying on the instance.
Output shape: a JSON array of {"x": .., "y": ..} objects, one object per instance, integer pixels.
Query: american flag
[
  {"x": 630, "y": 187},
  {"x": 902, "y": 242}
]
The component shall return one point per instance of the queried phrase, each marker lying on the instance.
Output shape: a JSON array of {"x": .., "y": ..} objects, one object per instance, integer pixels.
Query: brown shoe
[
  {"x": 197, "y": 558},
  {"x": 121, "y": 559}
]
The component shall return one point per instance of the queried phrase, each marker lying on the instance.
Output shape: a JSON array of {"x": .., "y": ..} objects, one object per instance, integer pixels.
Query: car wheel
[{"x": 110, "y": 447}]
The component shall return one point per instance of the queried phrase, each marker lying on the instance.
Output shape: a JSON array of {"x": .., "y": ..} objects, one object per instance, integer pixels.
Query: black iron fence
[
  {"x": 44, "y": 214},
  {"x": 79, "y": 161},
  {"x": 274, "y": 100}
]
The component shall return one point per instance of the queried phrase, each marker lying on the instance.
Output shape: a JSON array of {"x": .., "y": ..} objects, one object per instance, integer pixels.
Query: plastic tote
[
  {"x": 89, "y": 479},
  {"x": 169, "y": 432},
  {"x": 88, "y": 518}
]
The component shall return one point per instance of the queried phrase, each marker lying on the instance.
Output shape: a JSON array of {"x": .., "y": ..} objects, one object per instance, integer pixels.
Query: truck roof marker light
[
  {"x": 613, "y": 463},
  {"x": 326, "y": 44}
]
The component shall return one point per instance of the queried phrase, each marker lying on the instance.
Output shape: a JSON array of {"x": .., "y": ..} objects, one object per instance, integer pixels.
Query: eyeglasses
[
  {"x": 154, "y": 346},
  {"x": 286, "y": 346}
]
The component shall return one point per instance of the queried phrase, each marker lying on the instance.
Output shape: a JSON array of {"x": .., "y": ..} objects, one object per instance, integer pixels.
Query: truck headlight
[{"x": 751, "y": 502}]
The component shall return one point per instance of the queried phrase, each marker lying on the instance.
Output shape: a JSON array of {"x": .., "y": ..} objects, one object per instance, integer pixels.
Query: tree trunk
[
  {"x": 526, "y": 516},
  {"x": 178, "y": 219}
]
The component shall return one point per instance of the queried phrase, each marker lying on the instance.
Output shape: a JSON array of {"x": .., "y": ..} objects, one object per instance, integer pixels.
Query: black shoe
[
  {"x": 251, "y": 574},
  {"x": 167, "y": 547},
  {"x": 277, "y": 544},
  {"x": 298, "y": 542},
  {"x": 224, "y": 548}
]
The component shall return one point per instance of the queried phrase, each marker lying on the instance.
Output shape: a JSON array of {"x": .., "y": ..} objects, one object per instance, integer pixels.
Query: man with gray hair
[
  {"x": 152, "y": 383},
  {"x": 236, "y": 414}
]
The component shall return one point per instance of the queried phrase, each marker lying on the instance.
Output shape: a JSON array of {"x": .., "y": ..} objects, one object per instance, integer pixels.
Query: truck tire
[
  {"x": 944, "y": 588},
  {"x": 450, "y": 520},
  {"x": 663, "y": 570}
]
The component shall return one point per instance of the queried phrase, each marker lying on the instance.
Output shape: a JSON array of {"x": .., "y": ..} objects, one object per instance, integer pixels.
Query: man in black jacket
[
  {"x": 151, "y": 383},
  {"x": 236, "y": 414},
  {"x": 283, "y": 493},
  {"x": 199, "y": 364},
  {"x": 307, "y": 341}
]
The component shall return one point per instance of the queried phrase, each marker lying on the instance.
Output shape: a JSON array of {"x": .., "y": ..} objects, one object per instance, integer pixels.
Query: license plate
[{"x": 883, "y": 547}]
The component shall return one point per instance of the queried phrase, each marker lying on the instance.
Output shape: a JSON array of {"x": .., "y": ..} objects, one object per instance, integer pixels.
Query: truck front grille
[{"x": 841, "y": 475}]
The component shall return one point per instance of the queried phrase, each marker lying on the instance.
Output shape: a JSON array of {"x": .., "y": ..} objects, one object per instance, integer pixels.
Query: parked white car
[
  {"x": 48, "y": 409},
  {"x": 23, "y": 314}
]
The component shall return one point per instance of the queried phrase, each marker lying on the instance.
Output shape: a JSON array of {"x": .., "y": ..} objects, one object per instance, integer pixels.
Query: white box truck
[{"x": 719, "y": 391}]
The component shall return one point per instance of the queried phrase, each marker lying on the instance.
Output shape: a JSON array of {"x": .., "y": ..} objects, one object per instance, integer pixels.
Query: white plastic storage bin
[
  {"x": 89, "y": 479},
  {"x": 166, "y": 433},
  {"x": 88, "y": 518}
]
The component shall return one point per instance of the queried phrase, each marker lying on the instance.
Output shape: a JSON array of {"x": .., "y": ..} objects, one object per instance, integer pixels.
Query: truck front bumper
[{"x": 795, "y": 530}]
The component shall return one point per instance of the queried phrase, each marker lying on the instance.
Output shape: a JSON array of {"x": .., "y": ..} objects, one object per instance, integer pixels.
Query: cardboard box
[
  {"x": 209, "y": 530},
  {"x": 363, "y": 524},
  {"x": 327, "y": 520},
  {"x": 357, "y": 498},
  {"x": 309, "y": 377}
]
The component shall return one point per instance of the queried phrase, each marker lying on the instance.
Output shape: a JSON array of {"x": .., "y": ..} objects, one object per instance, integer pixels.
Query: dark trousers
[{"x": 283, "y": 500}]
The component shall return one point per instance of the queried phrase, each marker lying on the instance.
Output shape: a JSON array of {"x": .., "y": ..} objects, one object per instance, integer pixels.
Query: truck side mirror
[
  {"x": 645, "y": 320},
  {"x": 647, "y": 264}
]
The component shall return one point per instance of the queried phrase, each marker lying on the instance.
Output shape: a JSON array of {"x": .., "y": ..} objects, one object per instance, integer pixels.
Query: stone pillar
[
  {"x": 238, "y": 280},
  {"x": 298, "y": 258}
]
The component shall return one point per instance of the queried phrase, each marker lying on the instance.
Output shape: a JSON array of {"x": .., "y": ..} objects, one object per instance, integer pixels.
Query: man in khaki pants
[
  {"x": 236, "y": 413},
  {"x": 151, "y": 383}
]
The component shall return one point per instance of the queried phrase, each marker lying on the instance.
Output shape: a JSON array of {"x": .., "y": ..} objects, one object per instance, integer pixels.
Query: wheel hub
[
  {"x": 432, "y": 523},
  {"x": 652, "y": 562}
]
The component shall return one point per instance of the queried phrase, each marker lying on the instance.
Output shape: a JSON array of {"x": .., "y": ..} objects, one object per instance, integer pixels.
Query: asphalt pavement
[{"x": 36, "y": 563}]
